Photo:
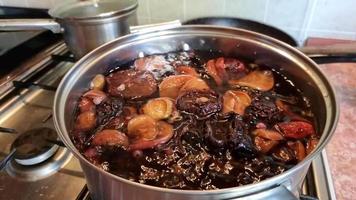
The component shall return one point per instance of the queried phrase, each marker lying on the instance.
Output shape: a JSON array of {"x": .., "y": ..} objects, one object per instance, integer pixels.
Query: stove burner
[
  {"x": 35, "y": 146},
  {"x": 42, "y": 170}
]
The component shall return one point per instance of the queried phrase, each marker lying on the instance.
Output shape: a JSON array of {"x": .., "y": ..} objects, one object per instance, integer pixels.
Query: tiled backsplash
[{"x": 299, "y": 18}]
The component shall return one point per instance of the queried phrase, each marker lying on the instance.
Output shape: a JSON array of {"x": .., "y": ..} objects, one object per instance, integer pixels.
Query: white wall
[{"x": 300, "y": 18}]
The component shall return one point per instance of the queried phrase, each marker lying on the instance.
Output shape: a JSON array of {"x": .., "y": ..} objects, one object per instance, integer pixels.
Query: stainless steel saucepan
[
  {"x": 232, "y": 43},
  {"x": 85, "y": 24}
]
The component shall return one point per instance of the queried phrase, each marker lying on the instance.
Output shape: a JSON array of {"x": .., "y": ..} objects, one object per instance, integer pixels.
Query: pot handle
[
  {"x": 155, "y": 27},
  {"x": 29, "y": 24},
  {"x": 276, "y": 193}
]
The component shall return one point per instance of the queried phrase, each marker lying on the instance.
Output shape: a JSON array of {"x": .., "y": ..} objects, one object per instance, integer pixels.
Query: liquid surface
[{"x": 195, "y": 121}]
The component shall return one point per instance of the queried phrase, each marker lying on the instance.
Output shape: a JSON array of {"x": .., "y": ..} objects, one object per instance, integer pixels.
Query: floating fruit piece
[
  {"x": 260, "y": 80},
  {"x": 295, "y": 129},
  {"x": 264, "y": 145},
  {"x": 98, "y": 82},
  {"x": 311, "y": 144},
  {"x": 165, "y": 133},
  {"x": 268, "y": 134},
  {"x": 170, "y": 86},
  {"x": 85, "y": 104},
  {"x": 96, "y": 96},
  {"x": 157, "y": 65},
  {"x": 110, "y": 137},
  {"x": 194, "y": 84},
  {"x": 142, "y": 127},
  {"x": 131, "y": 84},
  {"x": 187, "y": 70},
  {"x": 298, "y": 148},
  {"x": 85, "y": 121},
  {"x": 159, "y": 108},
  {"x": 212, "y": 71},
  {"x": 201, "y": 103},
  {"x": 235, "y": 101}
]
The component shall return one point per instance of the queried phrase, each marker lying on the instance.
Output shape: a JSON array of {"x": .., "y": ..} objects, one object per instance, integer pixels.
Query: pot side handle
[
  {"x": 29, "y": 24},
  {"x": 277, "y": 193}
]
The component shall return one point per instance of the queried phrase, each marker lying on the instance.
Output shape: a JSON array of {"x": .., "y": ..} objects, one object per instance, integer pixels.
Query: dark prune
[
  {"x": 263, "y": 110},
  {"x": 201, "y": 103},
  {"x": 108, "y": 109},
  {"x": 229, "y": 131}
]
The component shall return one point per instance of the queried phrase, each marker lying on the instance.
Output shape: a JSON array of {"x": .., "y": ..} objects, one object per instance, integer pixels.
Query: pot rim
[
  {"x": 57, "y": 11},
  {"x": 329, "y": 128}
]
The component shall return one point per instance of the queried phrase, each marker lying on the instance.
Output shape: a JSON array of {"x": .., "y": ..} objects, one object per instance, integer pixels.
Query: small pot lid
[{"x": 92, "y": 9}]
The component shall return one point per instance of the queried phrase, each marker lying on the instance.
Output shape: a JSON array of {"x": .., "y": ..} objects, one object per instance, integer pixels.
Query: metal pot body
[{"x": 232, "y": 43}]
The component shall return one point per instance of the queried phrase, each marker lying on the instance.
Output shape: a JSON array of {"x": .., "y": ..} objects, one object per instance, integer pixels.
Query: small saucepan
[{"x": 84, "y": 24}]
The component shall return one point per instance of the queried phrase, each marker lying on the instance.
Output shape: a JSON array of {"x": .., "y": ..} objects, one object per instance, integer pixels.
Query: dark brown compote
[{"x": 194, "y": 121}]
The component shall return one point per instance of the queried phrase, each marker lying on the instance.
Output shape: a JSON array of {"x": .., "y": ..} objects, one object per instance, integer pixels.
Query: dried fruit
[
  {"x": 298, "y": 149},
  {"x": 259, "y": 80},
  {"x": 142, "y": 127},
  {"x": 98, "y": 82},
  {"x": 96, "y": 96},
  {"x": 235, "y": 101},
  {"x": 268, "y": 134},
  {"x": 164, "y": 134},
  {"x": 110, "y": 137},
  {"x": 159, "y": 108},
  {"x": 172, "y": 86},
  {"x": 85, "y": 121},
  {"x": 85, "y": 104},
  {"x": 264, "y": 145},
  {"x": 201, "y": 103},
  {"x": 187, "y": 70},
  {"x": 131, "y": 84},
  {"x": 295, "y": 129}
]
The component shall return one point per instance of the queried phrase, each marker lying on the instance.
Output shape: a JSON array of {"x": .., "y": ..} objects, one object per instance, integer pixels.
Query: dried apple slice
[
  {"x": 142, "y": 127},
  {"x": 159, "y": 108},
  {"x": 260, "y": 80},
  {"x": 171, "y": 85},
  {"x": 235, "y": 101}
]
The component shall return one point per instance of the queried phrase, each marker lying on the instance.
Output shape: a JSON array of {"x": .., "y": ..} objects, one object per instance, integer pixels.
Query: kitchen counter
[{"x": 342, "y": 147}]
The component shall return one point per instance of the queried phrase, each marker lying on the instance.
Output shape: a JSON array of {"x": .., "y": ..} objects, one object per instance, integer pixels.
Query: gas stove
[{"x": 26, "y": 105}]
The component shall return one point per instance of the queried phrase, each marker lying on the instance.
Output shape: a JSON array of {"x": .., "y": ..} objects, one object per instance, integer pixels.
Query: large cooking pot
[
  {"x": 85, "y": 24},
  {"x": 231, "y": 42}
]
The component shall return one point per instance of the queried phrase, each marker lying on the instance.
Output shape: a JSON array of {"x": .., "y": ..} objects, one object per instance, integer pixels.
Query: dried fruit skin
[
  {"x": 264, "y": 145},
  {"x": 268, "y": 134},
  {"x": 110, "y": 137},
  {"x": 259, "y": 80},
  {"x": 296, "y": 129},
  {"x": 98, "y": 82},
  {"x": 164, "y": 134},
  {"x": 131, "y": 84},
  {"x": 170, "y": 86},
  {"x": 85, "y": 121},
  {"x": 235, "y": 101},
  {"x": 142, "y": 127},
  {"x": 159, "y": 108},
  {"x": 187, "y": 70},
  {"x": 96, "y": 96},
  {"x": 201, "y": 103},
  {"x": 85, "y": 105}
]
